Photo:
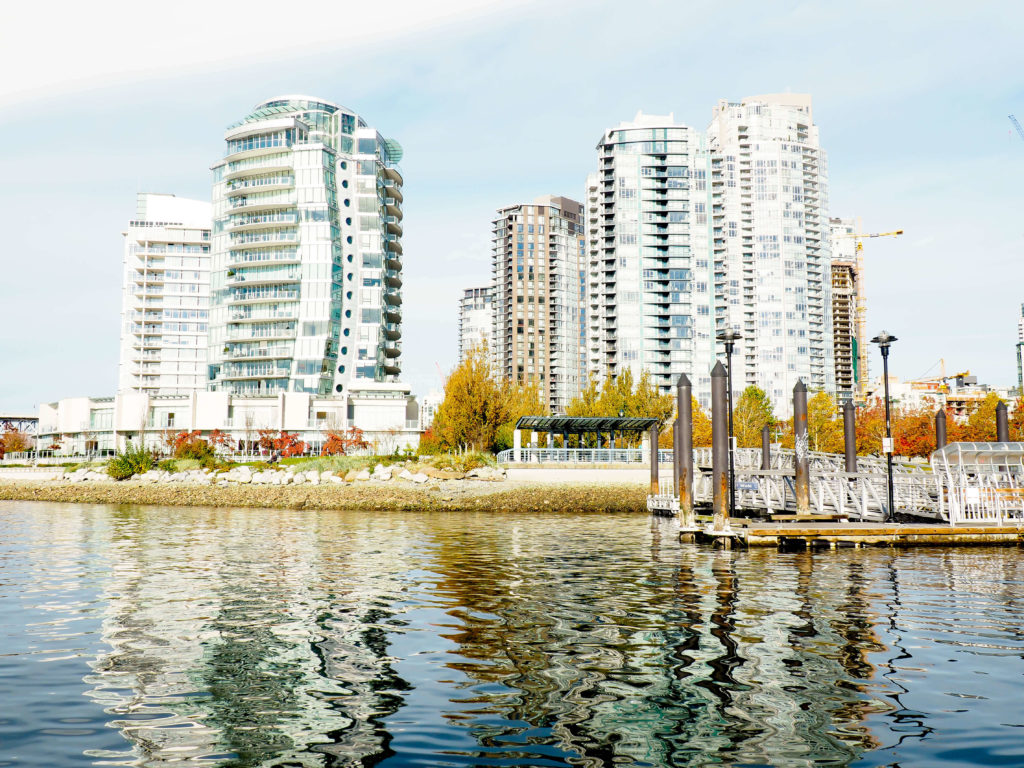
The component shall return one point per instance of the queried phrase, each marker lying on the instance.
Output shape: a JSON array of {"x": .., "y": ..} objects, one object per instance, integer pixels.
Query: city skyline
[{"x": 917, "y": 141}]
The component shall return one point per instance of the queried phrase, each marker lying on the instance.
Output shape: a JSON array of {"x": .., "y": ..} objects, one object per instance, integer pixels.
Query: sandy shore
[{"x": 390, "y": 497}]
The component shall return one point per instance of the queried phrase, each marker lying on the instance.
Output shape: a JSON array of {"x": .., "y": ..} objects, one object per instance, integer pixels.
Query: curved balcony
[
  {"x": 391, "y": 331},
  {"x": 258, "y": 166},
  {"x": 393, "y": 189},
  {"x": 283, "y": 256},
  {"x": 247, "y": 222},
  {"x": 272, "y": 332},
  {"x": 394, "y": 243},
  {"x": 244, "y": 296},
  {"x": 262, "y": 239},
  {"x": 262, "y": 183},
  {"x": 245, "y": 352},
  {"x": 390, "y": 172},
  {"x": 392, "y": 208},
  {"x": 392, "y": 314},
  {"x": 392, "y": 280},
  {"x": 392, "y": 261},
  {"x": 393, "y": 227},
  {"x": 240, "y": 279},
  {"x": 255, "y": 204},
  {"x": 393, "y": 298},
  {"x": 391, "y": 367},
  {"x": 249, "y": 314},
  {"x": 393, "y": 350}
]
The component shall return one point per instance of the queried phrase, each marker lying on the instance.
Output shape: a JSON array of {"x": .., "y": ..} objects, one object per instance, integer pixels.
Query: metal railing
[{"x": 583, "y": 456}]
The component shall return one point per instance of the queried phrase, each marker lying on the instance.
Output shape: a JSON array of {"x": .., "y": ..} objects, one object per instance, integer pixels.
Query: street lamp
[
  {"x": 729, "y": 336},
  {"x": 884, "y": 340}
]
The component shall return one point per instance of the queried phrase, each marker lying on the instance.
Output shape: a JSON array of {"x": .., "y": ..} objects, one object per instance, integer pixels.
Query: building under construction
[{"x": 848, "y": 308}]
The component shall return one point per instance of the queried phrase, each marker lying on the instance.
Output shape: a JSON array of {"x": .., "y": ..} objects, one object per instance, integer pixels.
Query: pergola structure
[{"x": 601, "y": 427}]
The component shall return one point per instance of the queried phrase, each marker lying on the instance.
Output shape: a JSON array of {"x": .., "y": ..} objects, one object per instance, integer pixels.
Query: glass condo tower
[{"x": 306, "y": 252}]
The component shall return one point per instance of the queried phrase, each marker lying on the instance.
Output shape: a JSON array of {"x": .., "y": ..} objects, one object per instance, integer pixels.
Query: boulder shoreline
[{"x": 440, "y": 494}]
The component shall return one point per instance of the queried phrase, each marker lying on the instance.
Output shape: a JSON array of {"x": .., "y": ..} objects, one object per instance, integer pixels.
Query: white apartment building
[
  {"x": 770, "y": 243},
  {"x": 538, "y": 257},
  {"x": 306, "y": 253},
  {"x": 165, "y": 296},
  {"x": 476, "y": 319},
  {"x": 651, "y": 279}
]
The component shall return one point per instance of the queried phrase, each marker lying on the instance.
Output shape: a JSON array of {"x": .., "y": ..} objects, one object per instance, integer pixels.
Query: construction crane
[
  {"x": 861, "y": 355},
  {"x": 939, "y": 382},
  {"x": 1017, "y": 126}
]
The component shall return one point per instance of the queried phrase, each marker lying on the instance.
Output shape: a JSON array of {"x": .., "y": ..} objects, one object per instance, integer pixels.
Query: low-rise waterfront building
[
  {"x": 386, "y": 412},
  {"x": 165, "y": 296}
]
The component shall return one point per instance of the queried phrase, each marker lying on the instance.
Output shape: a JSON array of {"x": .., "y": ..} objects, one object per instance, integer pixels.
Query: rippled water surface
[{"x": 152, "y": 636}]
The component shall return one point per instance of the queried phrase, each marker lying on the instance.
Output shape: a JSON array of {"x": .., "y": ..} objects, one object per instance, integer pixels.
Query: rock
[
  {"x": 298, "y": 478},
  {"x": 334, "y": 479},
  {"x": 351, "y": 475},
  {"x": 380, "y": 472},
  {"x": 443, "y": 474},
  {"x": 243, "y": 470},
  {"x": 420, "y": 477},
  {"x": 405, "y": 474},
  {"x": 363, "y": 475},
  {"x": 325, "y": 476}
]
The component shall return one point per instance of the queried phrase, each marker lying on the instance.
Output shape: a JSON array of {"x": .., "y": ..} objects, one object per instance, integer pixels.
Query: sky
[{"x": 496, "y": 104}]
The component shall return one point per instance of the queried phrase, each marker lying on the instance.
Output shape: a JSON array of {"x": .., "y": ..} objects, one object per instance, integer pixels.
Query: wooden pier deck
[{"x": 833, "y": 535}]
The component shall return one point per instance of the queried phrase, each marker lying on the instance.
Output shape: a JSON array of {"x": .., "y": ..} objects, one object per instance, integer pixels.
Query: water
[{"x": 250, "y": 637}]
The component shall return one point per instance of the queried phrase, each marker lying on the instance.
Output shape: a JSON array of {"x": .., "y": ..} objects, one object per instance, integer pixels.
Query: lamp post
[
  {"x": 729, "y": 336},
  {"x": 884, "y": 340}
]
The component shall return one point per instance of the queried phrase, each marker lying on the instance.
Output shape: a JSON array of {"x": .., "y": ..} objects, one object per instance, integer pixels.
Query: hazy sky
[{"x": 497, "y": 103}]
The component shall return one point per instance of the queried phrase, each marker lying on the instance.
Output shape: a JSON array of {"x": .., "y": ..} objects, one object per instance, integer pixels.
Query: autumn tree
[
  {"x": 913, "y": 433},
  {"x": 824, "y": 427},
  {"x": 340, "y": 442},
  {"x": 478, "y": 410},
  {"x": 637, "y": 398},
  {"x": 751, "y": 412},
  {"x": 701, "y": 428},
  {"x": 13, "y": 440},
  {"x": 981, "y": 422}
]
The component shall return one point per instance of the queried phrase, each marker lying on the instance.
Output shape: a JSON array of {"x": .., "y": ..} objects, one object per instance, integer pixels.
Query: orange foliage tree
[
  {"x": 286, "y": 444},
  {"x": 341, "y": 441}
]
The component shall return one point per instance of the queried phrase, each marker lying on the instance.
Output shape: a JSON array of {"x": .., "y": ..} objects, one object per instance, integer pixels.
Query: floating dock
[{"x": 809, "y": 534}]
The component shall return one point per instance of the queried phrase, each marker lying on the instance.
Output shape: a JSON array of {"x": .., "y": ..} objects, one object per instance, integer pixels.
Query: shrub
[
  {"x": 132, "y": 461},
  {"x": 168, "y": 465}
]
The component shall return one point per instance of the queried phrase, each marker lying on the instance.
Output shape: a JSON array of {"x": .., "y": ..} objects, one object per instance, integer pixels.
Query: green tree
[{"x": 750, "y": 414}]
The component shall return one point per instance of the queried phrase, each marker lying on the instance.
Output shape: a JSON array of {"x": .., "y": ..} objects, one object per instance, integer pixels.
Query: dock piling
[
  {"x": 683, "y": 449},
  {"x": 1002, "y": 424},
  {"x": 655, "y": 485},
  {"x": 719, "y": 448},
  {"x": 940, "y": 429},
  {"x": 801, "y": 458},
  {"x": 850, "y": 436},
  {"x": 766, "y": 447}
]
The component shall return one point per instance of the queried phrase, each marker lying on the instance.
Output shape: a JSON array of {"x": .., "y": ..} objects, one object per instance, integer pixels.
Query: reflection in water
[{"x": 254, "y": 638}]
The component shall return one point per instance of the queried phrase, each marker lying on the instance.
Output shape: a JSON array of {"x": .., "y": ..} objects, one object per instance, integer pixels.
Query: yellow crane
[{"x": 860, "y": 354}]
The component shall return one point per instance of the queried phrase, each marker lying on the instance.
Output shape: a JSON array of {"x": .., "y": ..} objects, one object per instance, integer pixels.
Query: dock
[{"x": 800, "y": 535}]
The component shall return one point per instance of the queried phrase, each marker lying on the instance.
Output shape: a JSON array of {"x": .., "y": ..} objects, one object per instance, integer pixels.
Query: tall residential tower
[
  {"x": 539, "y": 315},
  {"x": 307, "y": 255},
  {"x": 165, "y": 296},
  {"x": 770, "y": 234},
  {"x": 651, "y": 281}
]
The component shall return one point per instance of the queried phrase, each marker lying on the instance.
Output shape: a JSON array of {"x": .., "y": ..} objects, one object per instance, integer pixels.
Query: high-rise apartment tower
[
  {"x": 770, "y": 239},
  {"x": 165, "y": 296},
  {"x": 476, "y": 320},
  {"x": 650, "y": 297},
  {"x": 538, "y": 259},
  {"x": 307, "y": 254}
]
